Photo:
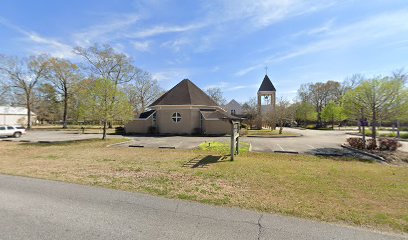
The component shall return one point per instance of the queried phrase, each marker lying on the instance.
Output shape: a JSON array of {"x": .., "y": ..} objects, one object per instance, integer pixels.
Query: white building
[
  {"x": 234, "y": 108},
  {"x": 15, "y": 116}
]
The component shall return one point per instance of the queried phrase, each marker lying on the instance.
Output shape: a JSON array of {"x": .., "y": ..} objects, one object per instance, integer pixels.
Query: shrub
[
  {"x": 356, "y": 142},
  {"x": 311, "y": 126},
  {"x": 389, "y": 144},
  {"x": 371, "y": 144},
  {"x": 119, "y": 130},
  {"x": 152, "y": 130},
  {"x": 243, "y": 132},
  {"x": 197, "y": 131},
  {"x": 245, "y": 126}
]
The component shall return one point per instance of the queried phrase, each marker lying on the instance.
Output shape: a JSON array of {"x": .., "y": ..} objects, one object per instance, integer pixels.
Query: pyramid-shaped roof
[
  {"x": 266, "y": 85},
  {"x": 185, "y": 93}
]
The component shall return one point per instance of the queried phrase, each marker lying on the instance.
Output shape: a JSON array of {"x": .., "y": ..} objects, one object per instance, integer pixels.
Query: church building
[{"x": 183, "y": 110}]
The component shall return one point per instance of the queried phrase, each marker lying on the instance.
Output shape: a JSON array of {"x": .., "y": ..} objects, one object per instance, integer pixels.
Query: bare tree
[
  {"x": 283, "y": 113},
  {"x": 104, "y": 62},
  {"x": 142, "y": 91},
  {"x": 250, "y": 109},
  {"x": 63, "y": 74},
  {"x": 24, "y": 76},
  {"x": 217, "y": 95},
  {"x": 4, "y": 90}
]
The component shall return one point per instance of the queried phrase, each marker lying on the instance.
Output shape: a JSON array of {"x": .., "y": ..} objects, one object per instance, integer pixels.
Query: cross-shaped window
[{"x": 176, "y": 117}]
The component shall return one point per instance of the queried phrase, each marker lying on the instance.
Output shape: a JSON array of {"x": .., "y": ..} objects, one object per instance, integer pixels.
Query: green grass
[
  {"x": 269, "y": 133},
  {"x": 394, "y": 134},
  {"x": 222, "y": 148},
  {"x": 321, "y": 188}
]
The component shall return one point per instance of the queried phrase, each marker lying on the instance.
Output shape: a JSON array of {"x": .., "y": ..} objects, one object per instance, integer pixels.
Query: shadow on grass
[
  {"x": 204, "y": 162},
  {"x": 340, "y": 154}
]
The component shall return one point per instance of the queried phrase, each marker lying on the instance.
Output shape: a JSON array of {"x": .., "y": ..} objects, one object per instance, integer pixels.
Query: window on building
[{"x": 176, "y": 117}]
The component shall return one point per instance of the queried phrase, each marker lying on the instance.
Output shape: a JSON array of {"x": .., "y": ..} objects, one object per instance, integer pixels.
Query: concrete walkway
[{"x": 40, "y": 209}]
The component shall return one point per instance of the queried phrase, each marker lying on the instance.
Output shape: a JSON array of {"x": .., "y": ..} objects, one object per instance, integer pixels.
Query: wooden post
[{"x": 232, "y": 141}]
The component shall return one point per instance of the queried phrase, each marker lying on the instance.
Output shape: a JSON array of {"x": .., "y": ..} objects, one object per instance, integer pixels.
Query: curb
[
  {"x": 292, "y": 152},
  {"x": 266, "y": 136},
  {"x": 114, "y": 144},
  {"x": 167, "y": 147},
  {"x": 364, "y": 153}
]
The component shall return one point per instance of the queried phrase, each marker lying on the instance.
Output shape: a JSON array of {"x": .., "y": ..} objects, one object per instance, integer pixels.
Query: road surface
[{"x": 40, "y": 209}]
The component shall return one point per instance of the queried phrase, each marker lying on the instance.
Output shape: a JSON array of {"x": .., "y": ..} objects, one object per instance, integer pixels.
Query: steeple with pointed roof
[{"x": 266, "y": 85}]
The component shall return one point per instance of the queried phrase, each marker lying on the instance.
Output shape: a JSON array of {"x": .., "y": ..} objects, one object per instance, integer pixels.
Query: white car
[{"x": 12, "y": 131}]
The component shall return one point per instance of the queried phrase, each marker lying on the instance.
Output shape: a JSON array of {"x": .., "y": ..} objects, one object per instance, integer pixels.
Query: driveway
[{"x": 41, "y": 209}]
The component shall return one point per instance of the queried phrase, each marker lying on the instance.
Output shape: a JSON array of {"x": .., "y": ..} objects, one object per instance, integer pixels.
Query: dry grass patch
[{"x": 352, "y": 192}]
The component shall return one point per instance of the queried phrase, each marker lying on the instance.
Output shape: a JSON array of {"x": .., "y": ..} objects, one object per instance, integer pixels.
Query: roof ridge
[{"x": 188, "y": 90}]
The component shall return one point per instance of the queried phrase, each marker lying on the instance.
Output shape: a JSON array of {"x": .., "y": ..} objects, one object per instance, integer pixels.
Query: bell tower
[{"x": 266, "y": 104}]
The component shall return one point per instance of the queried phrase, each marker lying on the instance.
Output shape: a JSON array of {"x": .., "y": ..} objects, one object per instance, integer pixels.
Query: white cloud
[
  {"x": 41, "y": 44},
  {"x": 143, "y": 46},
  {"x": 261, "y": 14},
  {"x": 169, "y": 77},
  {"x": 228, "y": 86},
  {"x": 105, "y": 32},
  {"x": 158, "y": 30},
  {"x": 363, "y": 32},
  {"x": 326, "y": 27},
  {"x": 176, "y": 45}
]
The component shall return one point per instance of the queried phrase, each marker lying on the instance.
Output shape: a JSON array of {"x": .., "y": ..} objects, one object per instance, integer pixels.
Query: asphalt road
[{"x": 40, "y": 209}]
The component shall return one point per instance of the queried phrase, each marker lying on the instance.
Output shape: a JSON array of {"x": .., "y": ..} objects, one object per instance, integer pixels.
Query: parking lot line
[
  {"x": 310, "y": 146},
  {"x": 280, "y": 147}
]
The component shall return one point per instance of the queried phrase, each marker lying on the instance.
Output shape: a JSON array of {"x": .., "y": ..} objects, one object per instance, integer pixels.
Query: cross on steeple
[{"x": 266, "y": 70}]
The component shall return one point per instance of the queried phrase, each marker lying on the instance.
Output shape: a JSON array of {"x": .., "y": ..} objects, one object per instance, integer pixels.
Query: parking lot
[
  {"x": 54, "y": 136},
  {"x": 311, "y": 141}
]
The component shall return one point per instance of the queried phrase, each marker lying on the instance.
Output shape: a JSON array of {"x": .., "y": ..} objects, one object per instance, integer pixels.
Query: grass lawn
[
  {"x": 270, "y": 133},
  {"x": 223, "y": 148},
  {"x": 352, "y": 192}
]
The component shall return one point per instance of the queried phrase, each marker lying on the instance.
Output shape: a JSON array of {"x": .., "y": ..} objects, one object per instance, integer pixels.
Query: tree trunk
[
  {"x": 64, "y": 117},
  {"x": 319, "y": 120},
  {"x": 398, "y": 129},
  {"x": 104, "y": 130},
  {"x": 281, "y": 127},
  {"x": 373, "y": 126},
  {"x": 28, "y": 112}
]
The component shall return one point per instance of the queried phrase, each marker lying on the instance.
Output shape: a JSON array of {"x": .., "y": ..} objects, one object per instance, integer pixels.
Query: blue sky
[{"x": 220, "y": 43}]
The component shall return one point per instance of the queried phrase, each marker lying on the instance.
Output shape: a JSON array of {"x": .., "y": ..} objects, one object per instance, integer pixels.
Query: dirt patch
[{"x": 394, "y": 157}]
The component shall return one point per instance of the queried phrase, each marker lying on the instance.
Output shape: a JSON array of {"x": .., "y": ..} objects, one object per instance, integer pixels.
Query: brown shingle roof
[
  {"x": 185, "y": 93},
  {"x": 266, "y": 85}
]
